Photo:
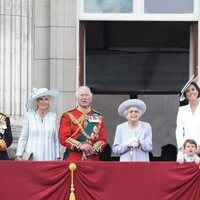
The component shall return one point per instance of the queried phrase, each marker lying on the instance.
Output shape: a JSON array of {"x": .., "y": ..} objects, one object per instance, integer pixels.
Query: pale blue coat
[
  {"x": 39, "y": 136},
  {"x": 143, "y": 132}
]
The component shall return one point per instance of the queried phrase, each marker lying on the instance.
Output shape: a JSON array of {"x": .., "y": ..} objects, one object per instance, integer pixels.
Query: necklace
[{"x": 41, "y": 115}]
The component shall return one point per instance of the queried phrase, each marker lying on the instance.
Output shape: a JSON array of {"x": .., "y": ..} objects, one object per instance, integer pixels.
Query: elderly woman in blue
[
  {"x": 133, "y": 138},
  {"x": 39, "y": 134}
]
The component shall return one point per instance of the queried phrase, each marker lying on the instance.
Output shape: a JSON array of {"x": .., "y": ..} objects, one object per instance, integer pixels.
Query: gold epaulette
[{"x": 2, "y": 117}]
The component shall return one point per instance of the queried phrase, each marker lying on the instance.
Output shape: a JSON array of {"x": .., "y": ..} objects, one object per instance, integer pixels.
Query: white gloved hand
[
  {"x": 135, "y": 144},
  {"x": 128, "y": 142},
  {"x": 134, "y": 139},
  {"x": 132, "y": 142}
]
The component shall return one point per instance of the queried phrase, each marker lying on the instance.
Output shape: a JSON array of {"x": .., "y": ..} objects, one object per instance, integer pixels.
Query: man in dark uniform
[
  {"x": 82, "y": 129},
  {"x": 6, "y": 137}
]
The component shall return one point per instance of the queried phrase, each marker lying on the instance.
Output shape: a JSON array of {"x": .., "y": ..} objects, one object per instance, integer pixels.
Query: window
[
  {"x": 108, "y": 6},
  {"x": 138, "y": 57},
  {"x": 169, "y": 6},
  {"x": 150, "y": 10}
]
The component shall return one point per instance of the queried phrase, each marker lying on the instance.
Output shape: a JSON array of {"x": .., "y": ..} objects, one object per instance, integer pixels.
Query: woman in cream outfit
[{"x": 39, "y": 132}]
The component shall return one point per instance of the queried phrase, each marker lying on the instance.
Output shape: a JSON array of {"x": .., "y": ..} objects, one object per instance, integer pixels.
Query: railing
[{"x": 60, "y": 180}]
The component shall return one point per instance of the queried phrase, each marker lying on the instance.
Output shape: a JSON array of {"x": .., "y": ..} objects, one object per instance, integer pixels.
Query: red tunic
[{"x": 80, "y": 125}]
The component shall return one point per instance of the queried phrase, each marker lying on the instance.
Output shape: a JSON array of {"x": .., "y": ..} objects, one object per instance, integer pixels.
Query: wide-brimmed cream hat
[
  {"x": 41, "y": 92},
  {"x": 131, "y": 103},
  {"x": 192, "y": 79}
]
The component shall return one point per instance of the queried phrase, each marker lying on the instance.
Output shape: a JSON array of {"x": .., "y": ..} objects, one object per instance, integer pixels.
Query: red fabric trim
[{"x": 27, "y": 180}]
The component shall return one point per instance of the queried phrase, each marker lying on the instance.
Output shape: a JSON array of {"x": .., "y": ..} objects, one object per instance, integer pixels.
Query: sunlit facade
[{"x": 120, "y": 48}]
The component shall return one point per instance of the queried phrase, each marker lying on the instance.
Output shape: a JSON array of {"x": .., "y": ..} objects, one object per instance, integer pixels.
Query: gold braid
[{"x": 79, "y": 122}]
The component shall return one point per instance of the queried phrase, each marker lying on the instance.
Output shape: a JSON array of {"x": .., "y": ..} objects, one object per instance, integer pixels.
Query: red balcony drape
[{"x": 29, "y": 180}]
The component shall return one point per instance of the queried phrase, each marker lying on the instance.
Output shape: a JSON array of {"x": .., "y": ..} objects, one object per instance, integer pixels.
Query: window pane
[
  {"x": 141, "y": 57},
  {"x": 168, "y": 6},
  {"x": 108, "y": 6}
]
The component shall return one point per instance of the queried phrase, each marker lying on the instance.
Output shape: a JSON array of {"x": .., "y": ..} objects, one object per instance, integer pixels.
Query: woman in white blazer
[{"x": 188, "y": 117}]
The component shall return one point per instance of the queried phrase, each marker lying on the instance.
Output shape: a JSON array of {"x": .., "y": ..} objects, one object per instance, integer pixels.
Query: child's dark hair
[{"x": 190, "y": 141}]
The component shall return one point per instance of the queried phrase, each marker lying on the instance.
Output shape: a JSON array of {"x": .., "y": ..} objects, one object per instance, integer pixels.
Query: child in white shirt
[{"x": 189, "y": 152}]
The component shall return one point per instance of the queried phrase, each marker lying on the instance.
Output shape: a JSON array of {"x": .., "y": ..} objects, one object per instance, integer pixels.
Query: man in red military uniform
[{"x": 82, "y": 129}]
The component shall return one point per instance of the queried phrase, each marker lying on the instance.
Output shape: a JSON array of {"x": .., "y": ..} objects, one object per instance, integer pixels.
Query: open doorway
[{"x": 146, "y": 60}]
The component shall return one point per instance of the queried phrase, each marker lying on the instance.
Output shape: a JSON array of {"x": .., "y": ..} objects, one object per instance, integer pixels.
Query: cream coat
[
  {"x": 188, "y": 125},
  {"x": 39, "y": 137}
]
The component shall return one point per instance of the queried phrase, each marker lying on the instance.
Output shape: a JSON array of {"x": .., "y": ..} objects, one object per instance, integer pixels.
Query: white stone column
[
  {"x": 15, "y": 60},
  {"x": 15, "y": 56}
]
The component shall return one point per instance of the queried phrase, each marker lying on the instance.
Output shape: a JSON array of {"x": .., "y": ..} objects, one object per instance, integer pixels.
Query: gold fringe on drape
[{"x": 72, "y": 168}]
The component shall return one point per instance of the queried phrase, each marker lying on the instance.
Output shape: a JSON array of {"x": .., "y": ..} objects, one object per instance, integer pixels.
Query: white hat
[
  {"x": 131, "y": 103},
  {"x": 192, "y": 79},
  {"x": 36, "y": 93}
]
